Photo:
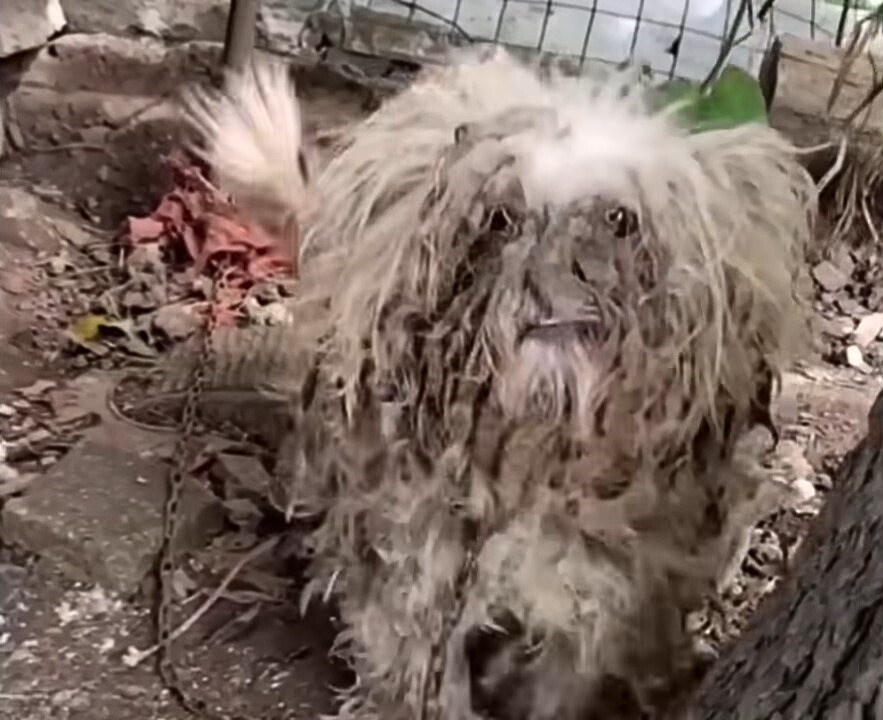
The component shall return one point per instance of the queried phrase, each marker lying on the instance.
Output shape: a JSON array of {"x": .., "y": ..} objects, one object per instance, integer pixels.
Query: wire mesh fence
[{"x": 672, "y": 38}]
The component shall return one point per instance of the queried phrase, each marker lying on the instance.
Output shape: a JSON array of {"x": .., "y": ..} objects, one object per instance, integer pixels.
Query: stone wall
[{"x": 27, "y": 24}]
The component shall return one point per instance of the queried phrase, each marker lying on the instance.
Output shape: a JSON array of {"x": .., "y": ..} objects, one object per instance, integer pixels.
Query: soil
[{"x": 62, "y": 644}]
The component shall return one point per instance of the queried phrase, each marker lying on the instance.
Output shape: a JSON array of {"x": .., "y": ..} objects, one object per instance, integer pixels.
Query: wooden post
[{"x": 241, "y": 28}]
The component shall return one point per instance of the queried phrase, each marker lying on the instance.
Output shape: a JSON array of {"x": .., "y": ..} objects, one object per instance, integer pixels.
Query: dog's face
[
  {"x": 528, "y": 299},
  {"x": 564, "y": 288},
  {"x": 566, "y": 248}
]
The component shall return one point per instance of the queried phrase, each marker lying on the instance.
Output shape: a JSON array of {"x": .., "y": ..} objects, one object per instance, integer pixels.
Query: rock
[
  {"x": 243, "y": 513},
  {"x": 146, "y": 259},
  {"x": 843, "y": 260},
  {"x": 12, "y": 578},
  {"x": 265, "y": 292},
  {"x": 91, "y": 516},
  {"x": 38, "y": 436},
  {"x": 766, "y": 549},
  {"x": 84, "y": 81},
  {"x": 168, "y": 19},
  {"x": 869, "y": 329},
  {"x": 855, "y": 358},
  {"x": 829, "y": 276},
  {"x": 839, "y": 327},
  {"x": 177, "y": 322},
  {"x": 138, "y": 300},
  {"x": 275, "y": 313},
  {"x": 850, "y": 306},
  {"x": 62, "y": 698},
  {"x": 24, "y": 219},
  {"x": 804, "y": 490},
  {"x": 16, "y": 281},
  {"x": 281, "y": 22},
  {"x": 75, "y": 234},
  {"x": 27, "y": 24},
  {"x": 10, "y": 482},
  {"x": 242, "y": 475},
  {"x": 132, "y": 692},
  {"x": 823, "y": 481},
  {"x": 57, "y": 265},
  {"x": 34, "y": 391},
  {"x": 792, "y": 457}
]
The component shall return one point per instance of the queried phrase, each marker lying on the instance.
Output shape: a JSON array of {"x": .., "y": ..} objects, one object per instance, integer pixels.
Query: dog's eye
[{"x": 623, "y": 221}]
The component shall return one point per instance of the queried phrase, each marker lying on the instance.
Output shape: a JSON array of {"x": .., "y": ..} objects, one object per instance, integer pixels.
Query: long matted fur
[
  {"x": 253, "y": 142},
  {"x": 540, "y": 317}
]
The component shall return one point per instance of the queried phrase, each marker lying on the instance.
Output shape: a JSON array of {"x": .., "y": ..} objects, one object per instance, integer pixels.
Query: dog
[{"x": 536, "y": 316}]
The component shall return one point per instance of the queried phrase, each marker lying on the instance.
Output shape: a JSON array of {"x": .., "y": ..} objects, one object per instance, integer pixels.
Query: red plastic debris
[{"x": 200, "y": 225}]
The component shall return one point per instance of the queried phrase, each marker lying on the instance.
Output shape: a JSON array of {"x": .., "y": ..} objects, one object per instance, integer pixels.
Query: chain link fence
[{"x": 672, "y": 38}]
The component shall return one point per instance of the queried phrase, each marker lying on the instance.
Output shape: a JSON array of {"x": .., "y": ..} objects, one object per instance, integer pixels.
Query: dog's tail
[{"x": 251, "y": 136}]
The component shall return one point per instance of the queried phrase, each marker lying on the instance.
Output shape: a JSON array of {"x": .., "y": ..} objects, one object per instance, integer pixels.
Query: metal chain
[
  {"x": 177, "y": 475},
  {"x": 431, "y": 705}
]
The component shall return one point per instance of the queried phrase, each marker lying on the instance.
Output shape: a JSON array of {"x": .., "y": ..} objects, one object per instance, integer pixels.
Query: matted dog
[{"x": 536, "y": 316}]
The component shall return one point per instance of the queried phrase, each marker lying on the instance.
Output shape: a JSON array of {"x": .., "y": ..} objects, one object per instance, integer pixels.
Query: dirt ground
[{"x": 63, "y": 643}]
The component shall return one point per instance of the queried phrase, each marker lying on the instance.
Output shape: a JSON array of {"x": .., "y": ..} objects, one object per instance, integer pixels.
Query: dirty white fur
[
  {"x": 252, "y": 135},
  {"x": 567, "y": 385},
  {"x": 723, "y": 202}
]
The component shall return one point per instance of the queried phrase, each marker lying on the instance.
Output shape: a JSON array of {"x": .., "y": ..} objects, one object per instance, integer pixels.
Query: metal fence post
[{"x": 240, "y": 36}]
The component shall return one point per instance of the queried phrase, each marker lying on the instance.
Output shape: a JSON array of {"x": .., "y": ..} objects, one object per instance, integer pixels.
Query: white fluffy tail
[{"x": 252, "y": 139}]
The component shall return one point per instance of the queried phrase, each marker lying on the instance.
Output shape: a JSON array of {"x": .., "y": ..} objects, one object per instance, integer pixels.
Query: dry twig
[{"x": 135, "y": 657}]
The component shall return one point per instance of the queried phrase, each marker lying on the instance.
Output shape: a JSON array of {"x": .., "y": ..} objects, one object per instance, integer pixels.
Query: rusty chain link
[{"x": 180, "y": 467}]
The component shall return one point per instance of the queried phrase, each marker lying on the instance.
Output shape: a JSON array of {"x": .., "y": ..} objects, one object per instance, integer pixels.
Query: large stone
[
  {"x": 168, "y": 19},
  {"x": 280, "y": 23},
  {"x": 117, "y": 98},
  {"x": 97, "y": 515},
  {"x": 81, "y": 87},
  {"x": 27, "y": 24},
  {"x": 107, "y": 64}
]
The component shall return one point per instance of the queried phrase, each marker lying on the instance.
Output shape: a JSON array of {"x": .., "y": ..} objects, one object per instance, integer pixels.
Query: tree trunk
[
  {"x": 815, "y": 648},
  {"x": 801, "y": 74}
]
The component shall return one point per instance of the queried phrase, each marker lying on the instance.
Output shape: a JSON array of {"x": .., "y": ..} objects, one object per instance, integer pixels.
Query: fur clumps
[
  {"x": 251, "y": 136},
  {"x": 696, "y": 304},
  {"x": 542, "y": 316}
]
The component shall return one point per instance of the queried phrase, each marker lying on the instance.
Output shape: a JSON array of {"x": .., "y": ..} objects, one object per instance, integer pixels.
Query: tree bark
[
  {"x": 804, "y": 72},
  {"x": 814, "y": 651},
  {"x": 799, "y": 75}
]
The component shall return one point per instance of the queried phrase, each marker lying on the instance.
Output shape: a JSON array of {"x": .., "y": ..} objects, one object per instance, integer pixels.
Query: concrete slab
[{"x": 97, "y": 515}]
